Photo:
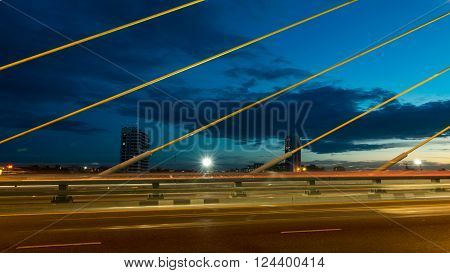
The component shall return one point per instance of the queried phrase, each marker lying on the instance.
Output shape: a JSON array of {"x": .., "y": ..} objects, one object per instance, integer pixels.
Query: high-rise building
[
  {"x": 293, "y": 163},
  {"x": 134, "y": 142}
]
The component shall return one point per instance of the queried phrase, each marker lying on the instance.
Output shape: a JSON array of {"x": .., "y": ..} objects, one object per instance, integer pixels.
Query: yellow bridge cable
[
  {"x": 98, "y": 35},
  {"x": 289, "y": 154},
  {"x": 136, "y": 88},
  {"x": 148, "y": 153},
  {"x": 402, "y": 156}
]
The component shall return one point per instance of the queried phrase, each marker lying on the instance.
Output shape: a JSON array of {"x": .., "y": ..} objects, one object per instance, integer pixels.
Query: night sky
[{"x": 46, "y": 88}]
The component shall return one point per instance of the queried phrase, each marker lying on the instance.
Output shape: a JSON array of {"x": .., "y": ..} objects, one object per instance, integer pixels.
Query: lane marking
[
  {"x": 59, "y": 245},
  {"x": 310, "y": 231},
  {"x": 170, "y": 226},
  {"x": 246, "y": 213}
]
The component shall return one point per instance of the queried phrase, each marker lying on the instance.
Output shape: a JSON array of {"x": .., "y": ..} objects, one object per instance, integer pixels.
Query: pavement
[{"x": 359, "y": 226}]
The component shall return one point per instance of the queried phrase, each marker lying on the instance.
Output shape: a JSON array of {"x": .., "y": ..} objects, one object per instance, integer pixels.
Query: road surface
[{"x": 379, "y": 226}]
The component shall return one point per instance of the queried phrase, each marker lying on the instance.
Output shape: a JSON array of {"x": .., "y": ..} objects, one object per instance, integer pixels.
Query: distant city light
[
  {"x": 304, "y": 169},
  {"x": 417, "y": 162},
  {"x": 9, "y": 166},
  {"x": 207, "y": 162},
  {"x": 85, "y": 168}
]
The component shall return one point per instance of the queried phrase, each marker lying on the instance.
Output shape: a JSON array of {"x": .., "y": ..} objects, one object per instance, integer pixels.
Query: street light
[
  {"x": 207, "y": 162},
  {"x": 418, "y": 162}
]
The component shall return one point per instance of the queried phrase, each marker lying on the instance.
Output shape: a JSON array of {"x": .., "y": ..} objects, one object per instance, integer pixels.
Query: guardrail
[
  {"x": 198, "y": 178},
  {"x": 63, "y": 183}
]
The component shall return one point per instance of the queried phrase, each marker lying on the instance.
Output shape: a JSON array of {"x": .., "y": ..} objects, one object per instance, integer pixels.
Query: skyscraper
[
  {"x": 293, "y": 163},
  {"x": 134, "y": 142}
]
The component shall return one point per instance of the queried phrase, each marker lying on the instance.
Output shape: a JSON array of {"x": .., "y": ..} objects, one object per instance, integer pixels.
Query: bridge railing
[{"x": 311, "y": 183}]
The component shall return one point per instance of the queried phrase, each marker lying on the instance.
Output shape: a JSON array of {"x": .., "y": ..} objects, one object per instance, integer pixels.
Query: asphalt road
[{"x": 381, "y": 226}]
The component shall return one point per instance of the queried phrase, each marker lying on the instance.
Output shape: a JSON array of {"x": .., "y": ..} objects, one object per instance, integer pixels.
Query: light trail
[
  {"x": 98, "y": 35},
  {"x": 310, "y": 230},
  {"x": 59, "y": 245},
  {"x": 141, "y": 86},
  {"x": 403, "y": 155},
  {"x": 341, "y": 63},
  {"x": 289, "y": 154}
]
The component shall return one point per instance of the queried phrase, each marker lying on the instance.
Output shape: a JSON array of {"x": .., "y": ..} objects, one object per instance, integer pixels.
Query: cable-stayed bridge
[{"x": 29, "y": 195}]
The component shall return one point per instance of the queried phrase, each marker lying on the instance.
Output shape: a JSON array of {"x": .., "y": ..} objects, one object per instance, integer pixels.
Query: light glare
[{"x": 207, "y": 162}]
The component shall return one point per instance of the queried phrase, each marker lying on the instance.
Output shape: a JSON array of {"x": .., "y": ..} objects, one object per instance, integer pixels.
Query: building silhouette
[
  {"x": 293, "y": 163},
  {"x": 134, "y": 142}
]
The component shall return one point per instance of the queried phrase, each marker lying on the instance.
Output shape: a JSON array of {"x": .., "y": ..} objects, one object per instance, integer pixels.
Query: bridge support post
[
  {"x": 377, "y": 191},
  {"x": 376, "y": 181},
  {"x": 156, "y": 196},
  {"x": 438, "y": 189},
  {"x": 63, "y": 195},
  {"x": 239, "y": 192},
  {"x": 312, "y": 191}
]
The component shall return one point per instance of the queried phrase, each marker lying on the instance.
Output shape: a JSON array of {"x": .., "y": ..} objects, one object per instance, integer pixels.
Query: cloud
[
  {"x": 76, "y": 77},
  {"x": 25, "y": 120},
  {"x": 308, "y": 113},
  {"x": 266, "y": 73},
  {"x": 341, "y": 146}
]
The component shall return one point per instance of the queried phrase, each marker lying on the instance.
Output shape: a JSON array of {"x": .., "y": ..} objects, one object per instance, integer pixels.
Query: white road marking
[
  {"x": 59, "y": 245},
  {"x": 310, "y": 231}
]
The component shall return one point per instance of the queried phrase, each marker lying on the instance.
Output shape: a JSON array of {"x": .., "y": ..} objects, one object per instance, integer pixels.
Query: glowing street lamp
[
  {"x": 207, "y": 162},
  {"x": 418, "y": 162}
]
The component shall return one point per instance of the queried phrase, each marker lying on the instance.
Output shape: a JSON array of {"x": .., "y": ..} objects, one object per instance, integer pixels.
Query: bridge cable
[
  {"x": 141, "y": 86},
  {"x": 98, "y": 35},
  {"x": 358, "y": 55},
  {"x": 291, "y": 153},
  {"x": 403, "y": 155}
]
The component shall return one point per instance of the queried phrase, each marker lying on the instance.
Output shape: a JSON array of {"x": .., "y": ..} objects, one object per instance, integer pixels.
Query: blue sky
[{"x": 56, "y": 84}]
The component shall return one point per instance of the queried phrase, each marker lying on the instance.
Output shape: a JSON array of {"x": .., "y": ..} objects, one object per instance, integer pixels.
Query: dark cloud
[
  {"x": 334, "y": 145},
  {"x": 24, "y": 120},
  {"x": 307, "y": 113},
  {"x": 76, "y": 76},
  {"x": 370, "y": 164},
  {"x": 267, "y": 73},
  {"x": 192, "y": 32}
]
